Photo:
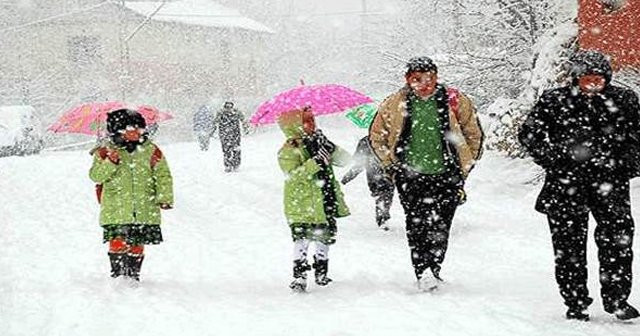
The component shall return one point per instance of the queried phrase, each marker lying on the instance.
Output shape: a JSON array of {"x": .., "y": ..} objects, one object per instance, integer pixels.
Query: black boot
[
  {"x": 300, "y": 268},
  {"x": 578, "y": 310},
  {"x": 382, "y": 223},
  {"x": 321, "y": 269},
  {"x": 577, "y": 313},
  {"x": 133, "y": 264},
  {"x": 623, "y": 311},
  {"x": 117, "y": 264}
]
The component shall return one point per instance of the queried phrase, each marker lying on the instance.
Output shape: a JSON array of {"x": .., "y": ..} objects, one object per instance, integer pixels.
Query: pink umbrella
[
  {"x": 152, "y": 115},
  {"x": 90, "y": 118},
  {"x": 323, "y": 99}
]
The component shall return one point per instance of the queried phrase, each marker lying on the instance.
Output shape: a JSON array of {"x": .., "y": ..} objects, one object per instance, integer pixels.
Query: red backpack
[
  {"x": 454, "y": 101},
  {"x": 102, "y": 152}
]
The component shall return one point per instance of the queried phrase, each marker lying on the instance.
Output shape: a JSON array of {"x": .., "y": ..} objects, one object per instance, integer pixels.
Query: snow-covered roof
[{"x": 197, "y": 12}]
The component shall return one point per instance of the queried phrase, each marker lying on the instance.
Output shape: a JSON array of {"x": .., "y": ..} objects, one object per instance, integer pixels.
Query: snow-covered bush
[
  {"x": 628, "y": 78},
  {"x": 20, "y": 131},
  {"x": 549, "y": 70}
]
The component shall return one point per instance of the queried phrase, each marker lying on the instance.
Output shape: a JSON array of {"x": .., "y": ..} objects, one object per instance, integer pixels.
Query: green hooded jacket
[
  {"x": 303, "y": 198},
  {"x": 133, "y": 189}
]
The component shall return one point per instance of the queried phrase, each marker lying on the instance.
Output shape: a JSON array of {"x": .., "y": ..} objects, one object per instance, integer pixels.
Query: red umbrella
[{"x": 90, "y": 118}]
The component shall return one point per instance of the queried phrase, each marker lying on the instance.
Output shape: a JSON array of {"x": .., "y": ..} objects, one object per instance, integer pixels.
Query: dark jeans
[
  {"x": 614, "y": 239},
  {"x": 384, "y": 200},
  {"x": 429, "y": 204},
  {"x": 231, "y": 151}
]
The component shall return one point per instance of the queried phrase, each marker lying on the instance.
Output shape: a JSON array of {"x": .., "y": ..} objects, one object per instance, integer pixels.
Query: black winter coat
[
  {"x": 582, "y": 142},
  {"x": 228, "y": 122}
]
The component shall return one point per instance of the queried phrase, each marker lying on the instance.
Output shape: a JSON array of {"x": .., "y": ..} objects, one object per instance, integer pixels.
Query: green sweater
[{"x": 425, "y": 152}]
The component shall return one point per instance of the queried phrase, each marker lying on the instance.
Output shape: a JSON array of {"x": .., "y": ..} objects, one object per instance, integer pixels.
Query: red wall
[{"x": 616, "y": 34}]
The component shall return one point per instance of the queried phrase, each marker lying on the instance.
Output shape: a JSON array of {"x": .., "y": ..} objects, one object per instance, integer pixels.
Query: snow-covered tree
[
  {"x": 498, "y": 51},
  {"x": 485, "y": 46},
  {"x": 550, "y": 56}
]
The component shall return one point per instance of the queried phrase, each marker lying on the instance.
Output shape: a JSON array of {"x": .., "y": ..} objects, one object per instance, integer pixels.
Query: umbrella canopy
[
  {"x": 362, "y": 116},
  {"x": 90, "y": 118},
  {"x": 152, "y": 115},
  {"x": 323, "y": 99}
]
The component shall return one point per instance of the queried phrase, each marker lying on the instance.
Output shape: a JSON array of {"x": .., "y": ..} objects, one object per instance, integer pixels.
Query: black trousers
[
  {"x": 429, "y": 204},
  {"x": 614, "y": 239},
  {"x": 384, "y": 199},
  {"x": 231, "y": 151}
]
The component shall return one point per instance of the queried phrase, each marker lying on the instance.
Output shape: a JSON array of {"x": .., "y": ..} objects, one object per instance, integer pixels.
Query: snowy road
[{"x": 225, "y": 264}]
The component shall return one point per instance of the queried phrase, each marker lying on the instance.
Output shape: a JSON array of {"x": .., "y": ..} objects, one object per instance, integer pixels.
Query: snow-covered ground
[{"x": 225, "y": 264}]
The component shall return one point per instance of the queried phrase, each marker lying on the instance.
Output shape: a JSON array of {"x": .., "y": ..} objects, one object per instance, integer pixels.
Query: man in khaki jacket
[{"x": 428, "y": 138}]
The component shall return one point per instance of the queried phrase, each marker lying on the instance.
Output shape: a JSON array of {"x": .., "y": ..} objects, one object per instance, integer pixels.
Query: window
[
  {"x": 611, "y": 6},
  {"x": 84, "y": 50}
]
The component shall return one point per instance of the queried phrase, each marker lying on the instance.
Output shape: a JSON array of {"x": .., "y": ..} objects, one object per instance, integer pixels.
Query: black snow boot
[
  {"x": 321, "y": 269},
  {"x": 133, "y": 265},
  {"x": 300, "y": 268},
  {"x": 577, "y": 313},
  {"x": 382, "y": 223},
  {"x": 622, "y": 311},
  {"x": 578, "y": 310},
  {"x": 117, "y": 264}
]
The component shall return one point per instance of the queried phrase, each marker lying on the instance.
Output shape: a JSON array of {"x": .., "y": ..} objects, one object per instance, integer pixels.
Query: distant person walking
[
  {"x": 229, "y": 122},
  {"x": 203, "y": 126}
]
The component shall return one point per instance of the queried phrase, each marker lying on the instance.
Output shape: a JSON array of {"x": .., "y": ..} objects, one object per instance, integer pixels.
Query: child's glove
[
  {"x": 165, "y": 206},
  {"x": 106, "y": 153},
  {"x": 323, "y": 157},
  {"x": 113, "y": 156}
]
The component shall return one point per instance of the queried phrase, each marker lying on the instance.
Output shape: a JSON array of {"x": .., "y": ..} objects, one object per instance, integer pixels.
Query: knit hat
[
  {"x": 590, "y": 62},
  {"x": 118, "y": 120},
  {"x": 421, "y": 64}
]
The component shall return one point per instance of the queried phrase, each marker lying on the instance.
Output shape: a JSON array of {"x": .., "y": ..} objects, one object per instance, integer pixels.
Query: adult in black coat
[
  {"x": 587, "y": 138},
  {"x": 229, "y": 122},
  {"x": 380, "y": 185}
]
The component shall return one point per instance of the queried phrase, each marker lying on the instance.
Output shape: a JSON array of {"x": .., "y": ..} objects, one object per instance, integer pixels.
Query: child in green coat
[
  {"x": 312, "y": 197},
  {"x": 134, "y": 182}
]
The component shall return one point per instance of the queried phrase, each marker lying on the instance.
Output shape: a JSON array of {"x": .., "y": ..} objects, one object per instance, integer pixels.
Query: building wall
[
  {"x": 58, "y": 64},
  {"x": 615, "y": 33}
]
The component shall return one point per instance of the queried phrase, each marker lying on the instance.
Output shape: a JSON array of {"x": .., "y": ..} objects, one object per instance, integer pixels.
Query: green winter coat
[
  {"x": 133, "y": 189},
  {"x": 303, "y": 199}
]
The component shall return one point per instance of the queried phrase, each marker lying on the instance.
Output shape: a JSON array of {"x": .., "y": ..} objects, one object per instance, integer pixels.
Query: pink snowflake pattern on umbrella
[{"x": 323, "y": 99}]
